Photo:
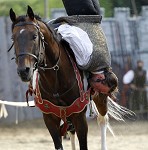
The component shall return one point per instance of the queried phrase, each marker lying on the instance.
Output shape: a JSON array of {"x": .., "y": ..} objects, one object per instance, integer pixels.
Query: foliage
[
  {"x": 20, "y": 6},
  {"x": 38, "y": 5},
  {"x": 108, "y": 5}
]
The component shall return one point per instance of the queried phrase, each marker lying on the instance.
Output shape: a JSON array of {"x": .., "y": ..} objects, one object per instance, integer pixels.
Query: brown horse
[
  {"x": 40, "y": 56},
  {"x": 36, "y": 46}
]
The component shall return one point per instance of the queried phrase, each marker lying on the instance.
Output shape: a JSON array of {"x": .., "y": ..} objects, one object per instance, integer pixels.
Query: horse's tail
[
  {"x": 115, "y": 111},
  {"x": 119, "y": 112}
]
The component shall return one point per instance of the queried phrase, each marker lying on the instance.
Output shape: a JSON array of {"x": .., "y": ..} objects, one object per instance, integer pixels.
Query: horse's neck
[
  {"x": 63, "y": 79},
  {"x": 55, "y": 51},
  {"x": 57, "y": 55},
  {"x": 52, "y": 50}
]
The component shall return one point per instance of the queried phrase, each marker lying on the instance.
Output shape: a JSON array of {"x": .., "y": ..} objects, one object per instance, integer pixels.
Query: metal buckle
[{"x": 56, "y": 67}]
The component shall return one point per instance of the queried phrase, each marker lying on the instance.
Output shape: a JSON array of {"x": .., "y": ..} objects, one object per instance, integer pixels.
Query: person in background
[{"x": 136, "y": 79}]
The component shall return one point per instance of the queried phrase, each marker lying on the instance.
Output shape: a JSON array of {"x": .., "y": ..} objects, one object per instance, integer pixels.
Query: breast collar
[{"x": 61, "y": 111}]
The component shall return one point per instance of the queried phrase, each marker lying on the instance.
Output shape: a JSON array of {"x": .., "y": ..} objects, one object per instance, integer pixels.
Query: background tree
[
  {"x": 20, "y": 6},
  {"x": 38, "y": 6},
  {"x": 108, "y": 5},
  {"x": 128, "y": 3}
]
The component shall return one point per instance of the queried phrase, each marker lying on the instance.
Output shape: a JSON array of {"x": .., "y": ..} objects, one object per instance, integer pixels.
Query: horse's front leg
[
  {"x": 53, "y": 124},
  {"x": 81, "y": 128},
  {"x": 101, "y": 104}
]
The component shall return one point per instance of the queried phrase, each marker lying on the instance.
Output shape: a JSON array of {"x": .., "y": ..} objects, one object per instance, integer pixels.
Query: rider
[{"x": 101, "y": 80}]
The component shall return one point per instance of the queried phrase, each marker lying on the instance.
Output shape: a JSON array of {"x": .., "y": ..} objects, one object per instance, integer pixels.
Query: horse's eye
[{"x": 34, "y": 37}]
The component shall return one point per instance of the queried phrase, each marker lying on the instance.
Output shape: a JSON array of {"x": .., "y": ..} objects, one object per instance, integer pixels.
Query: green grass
[{"x": 19, "y": 6}]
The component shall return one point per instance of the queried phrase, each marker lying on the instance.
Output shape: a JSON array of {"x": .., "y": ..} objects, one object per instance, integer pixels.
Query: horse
[{"x": 44, "y": 61}]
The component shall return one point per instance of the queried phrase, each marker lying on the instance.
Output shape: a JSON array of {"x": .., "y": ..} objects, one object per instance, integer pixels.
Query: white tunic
[
  {"x": 128, "y": 77},
  {"x": 79, "y": 42}
]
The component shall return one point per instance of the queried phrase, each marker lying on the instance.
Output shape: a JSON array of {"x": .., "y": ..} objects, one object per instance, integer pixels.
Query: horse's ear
[
  {"x": 12, "y": 15},
  {"x": 30, "y": 13}
]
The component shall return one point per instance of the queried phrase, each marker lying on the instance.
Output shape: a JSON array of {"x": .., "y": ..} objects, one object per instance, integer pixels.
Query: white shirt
[
  {"x": 128, "y": 77},
  {"x": 79, "y": 42}
]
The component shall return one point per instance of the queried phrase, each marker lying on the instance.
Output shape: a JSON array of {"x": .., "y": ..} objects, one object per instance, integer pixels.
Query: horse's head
[{"x": 28, "y": 43}]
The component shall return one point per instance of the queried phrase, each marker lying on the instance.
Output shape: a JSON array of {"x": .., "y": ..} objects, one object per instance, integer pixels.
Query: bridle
[
  {"x": 41, "y": 44},
  {"x": 37, "y": 65}
]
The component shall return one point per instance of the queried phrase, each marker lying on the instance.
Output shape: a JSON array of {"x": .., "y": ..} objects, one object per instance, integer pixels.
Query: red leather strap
[
  {"x": 63, "y": 112},
  {"x": 60, "y": 111},
  {"x": 78, "y": 77}
]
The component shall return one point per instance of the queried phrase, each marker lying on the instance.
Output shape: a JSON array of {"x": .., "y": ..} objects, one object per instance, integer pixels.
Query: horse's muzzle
[{"x": 24, "y": 73}]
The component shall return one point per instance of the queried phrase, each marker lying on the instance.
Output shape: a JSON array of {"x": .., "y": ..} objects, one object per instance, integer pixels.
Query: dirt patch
[{"x": 33, "y": 135}]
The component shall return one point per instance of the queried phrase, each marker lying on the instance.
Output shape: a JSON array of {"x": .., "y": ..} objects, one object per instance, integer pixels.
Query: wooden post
[
  {"x": 134, "y": 7},
  {"x": 46, "y": 9}
]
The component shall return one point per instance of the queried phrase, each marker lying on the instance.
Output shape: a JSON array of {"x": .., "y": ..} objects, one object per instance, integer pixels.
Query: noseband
[
  {"x": 21, "y": 54},
  {"x": 41, "y": 38}
]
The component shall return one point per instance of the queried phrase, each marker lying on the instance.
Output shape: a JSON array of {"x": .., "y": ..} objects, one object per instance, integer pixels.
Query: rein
[{"x": 54, "y": 67}]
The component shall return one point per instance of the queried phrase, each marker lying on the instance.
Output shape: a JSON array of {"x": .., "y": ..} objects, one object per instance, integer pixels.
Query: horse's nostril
[
  {"x": 23, "y": 71},
  {"x": 18, "y": 72},
  {"x": 27, "y": 69}
]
